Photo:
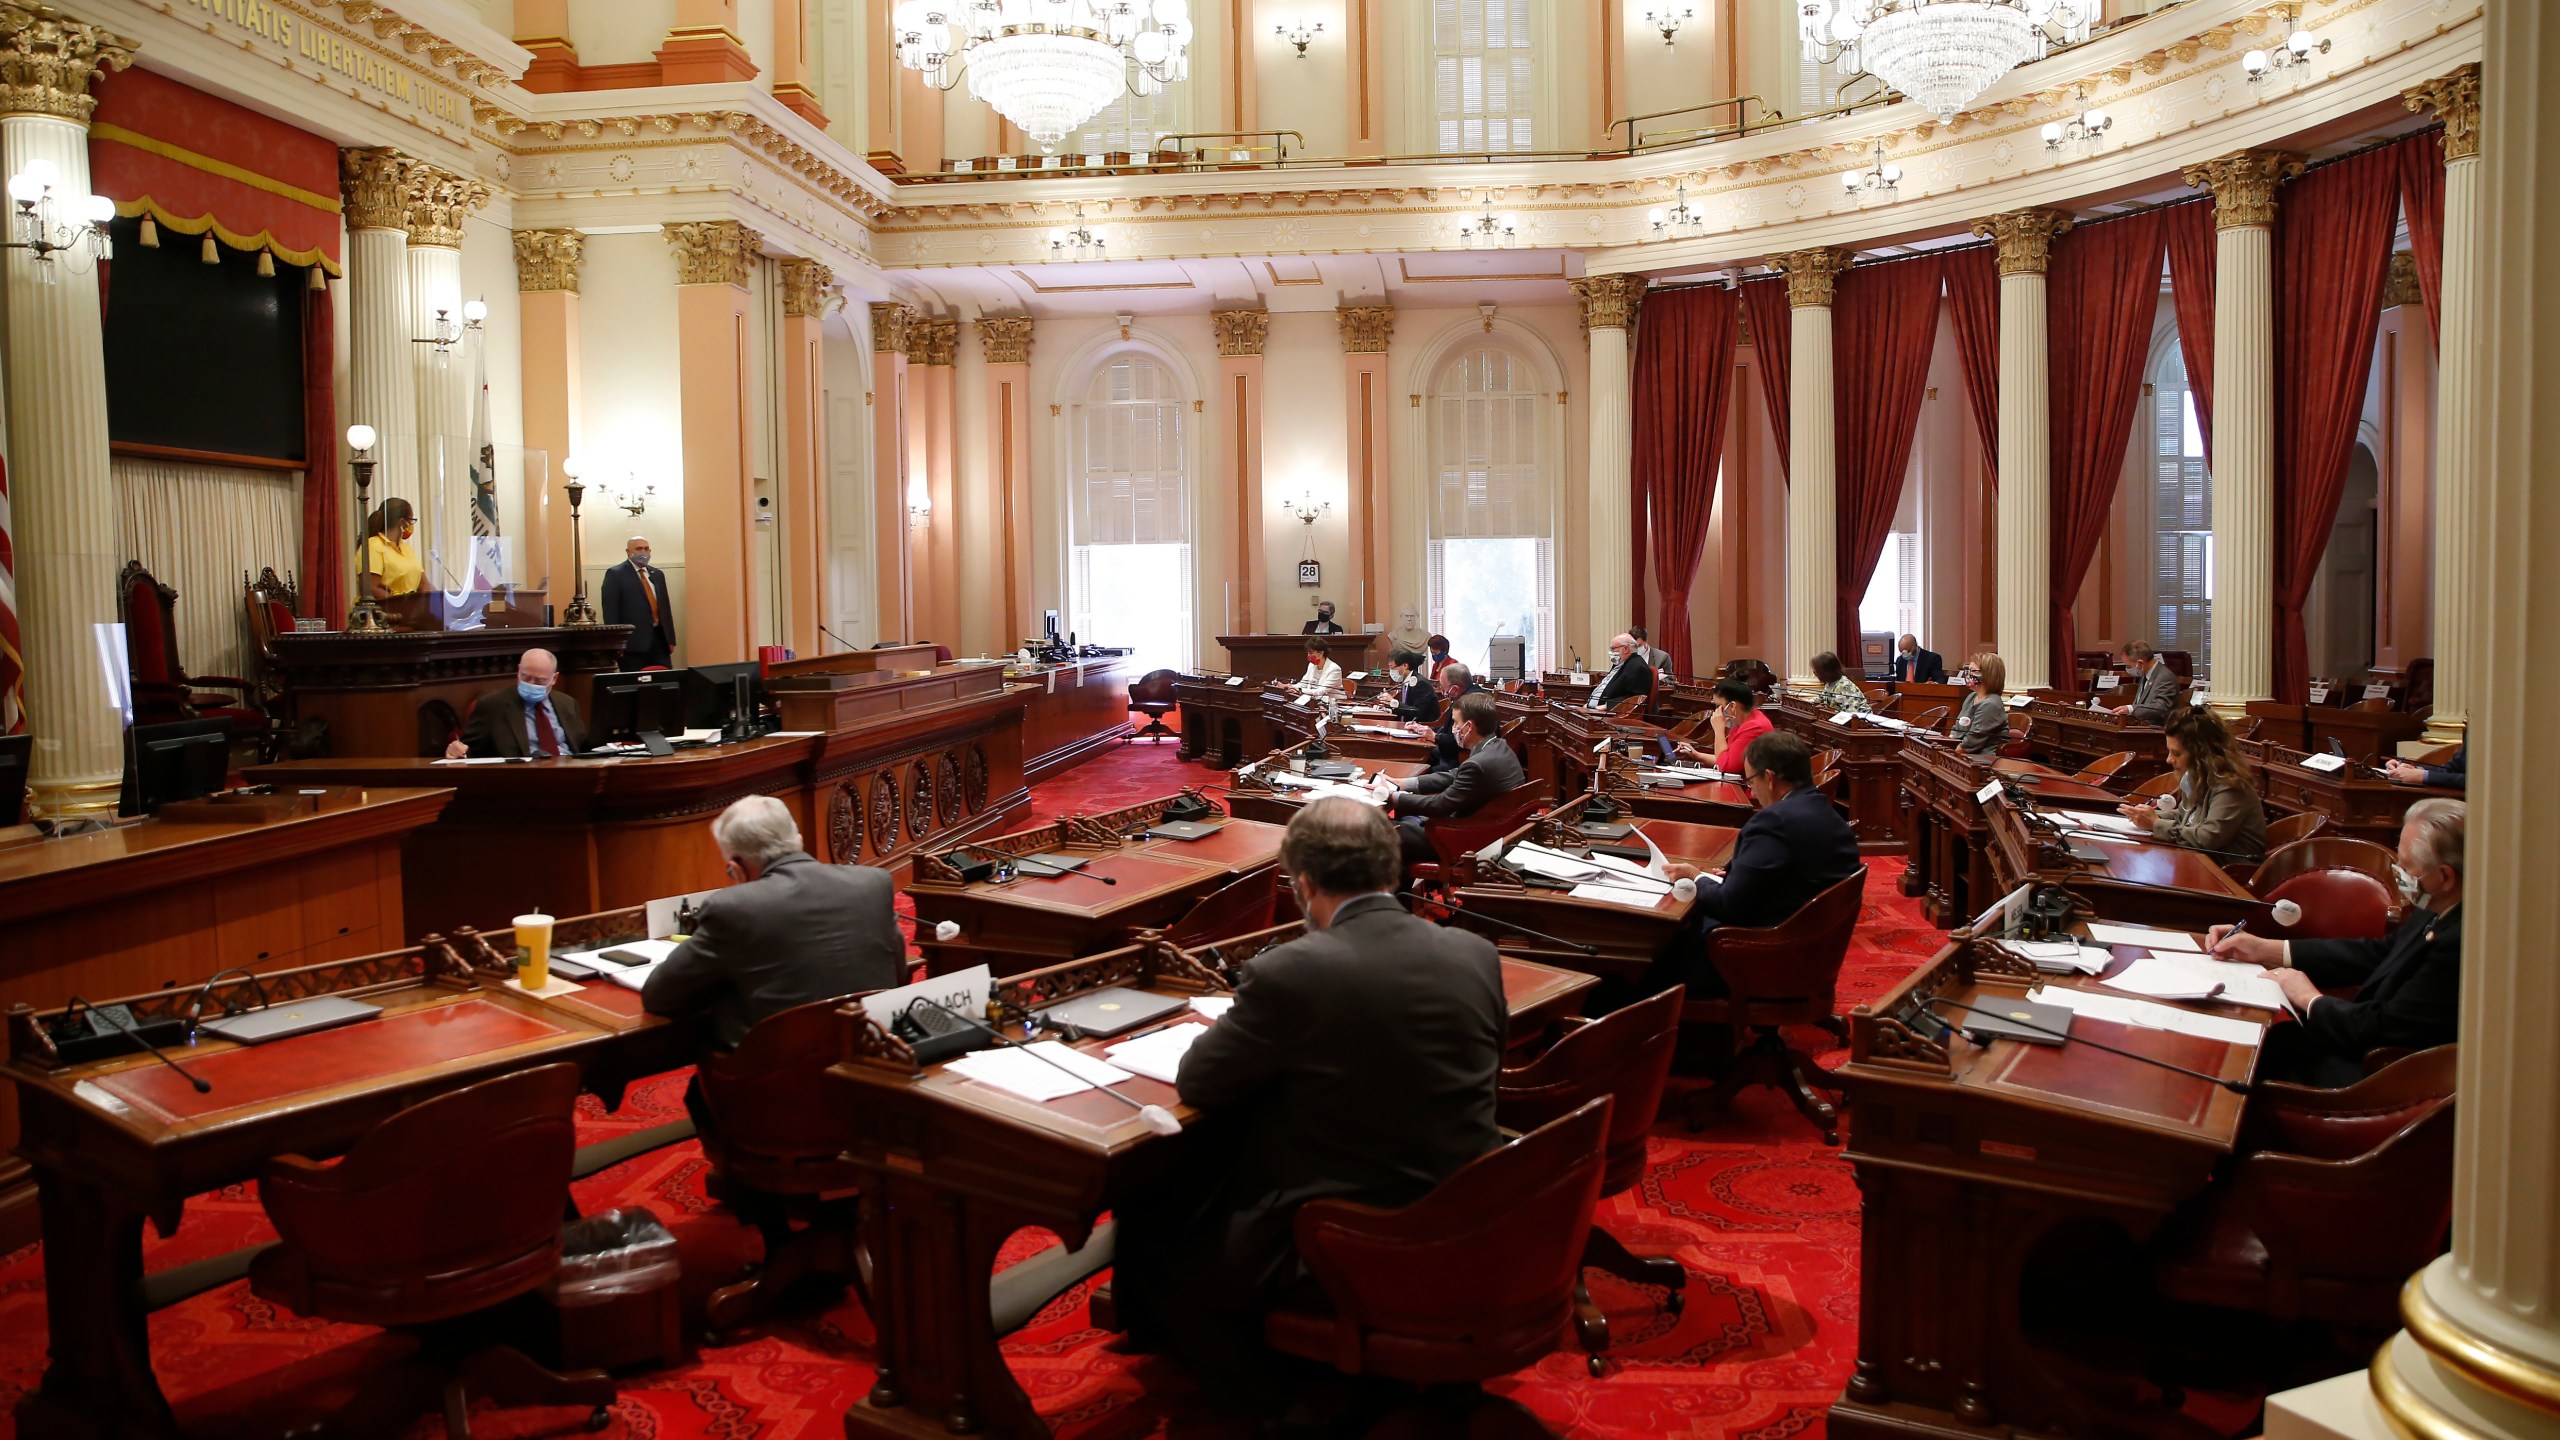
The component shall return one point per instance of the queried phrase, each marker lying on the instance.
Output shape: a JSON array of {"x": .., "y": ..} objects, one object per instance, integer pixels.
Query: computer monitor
[
  {"x": 180, "y": 760},
  {"x": 627, "y": 702},
  {"x": 16, "y": 753},
  {"x": 716, "y": 695},
  {"x": 1049, "y": 624}
]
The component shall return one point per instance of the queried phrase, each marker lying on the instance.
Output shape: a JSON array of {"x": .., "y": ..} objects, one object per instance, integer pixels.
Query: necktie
[
  {"x": 545, "y": 731},
  {"x": 648, "y": 592}
]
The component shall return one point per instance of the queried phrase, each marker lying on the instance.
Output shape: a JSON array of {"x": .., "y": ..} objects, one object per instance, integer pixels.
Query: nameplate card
[
  {"x": 2377, "y": 691},
  {"x": 1579, "y": 677},
  {"x": 964, "y": 991},
  {"x": 1844, "y": 717},
  {"x": 1303, "y": 701},
  {"x": 2320, "y": 692},
  {"x": 1357, "y": 675},
  {"x": 2109, "y": 681},
  {"x": 1987, "y": 793},
  {"x": 1235, "y": 680},
  {"x": 310, "y": 625},
  {"x": 2019, "y": 702},
  {"x": 2324, "y": 763}
]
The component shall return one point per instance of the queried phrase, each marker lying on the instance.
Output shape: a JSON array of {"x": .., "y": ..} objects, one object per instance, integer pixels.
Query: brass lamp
[
  {"x": 581, "y": 613},
  {"x": 366, "y": 617}
]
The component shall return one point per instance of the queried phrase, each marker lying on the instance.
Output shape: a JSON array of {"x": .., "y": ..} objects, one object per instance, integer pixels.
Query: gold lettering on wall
[{"x": 312, "y": 42}]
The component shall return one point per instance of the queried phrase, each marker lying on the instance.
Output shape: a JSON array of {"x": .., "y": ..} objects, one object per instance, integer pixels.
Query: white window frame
[
  {"x": 2161, "y": 393},
  {"x": 1434, "y": 369},
  {"x": 1073, "y": 396},
  {"x": 1412, "y": 34}
]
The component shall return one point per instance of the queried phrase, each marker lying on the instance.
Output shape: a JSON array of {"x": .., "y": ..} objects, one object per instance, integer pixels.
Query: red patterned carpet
[{"x": 1764, "y": 1216}]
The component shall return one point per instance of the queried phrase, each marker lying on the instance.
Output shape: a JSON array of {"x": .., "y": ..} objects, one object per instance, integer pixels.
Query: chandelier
[
  {"x": 1076, "y": 243},
  {"x": 1682, "y": 218},
  {"x": 1489, "y": 227},
  {"x": 1881, "y": 181},
  {"x": 2084, "y": 129},
  {"x": 1941, "y": 53},
  {"x": 1046, "y": 65}
]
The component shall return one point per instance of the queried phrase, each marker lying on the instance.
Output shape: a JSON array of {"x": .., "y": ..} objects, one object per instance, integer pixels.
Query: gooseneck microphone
[
  {"x": 203, "y": 1086},
  {"x": 2236, "y": 1087},
  {"x": 1155, "y": 1117},
  {"x": 1016, "y": 862},
  {"x": 1511, "y": 925}
]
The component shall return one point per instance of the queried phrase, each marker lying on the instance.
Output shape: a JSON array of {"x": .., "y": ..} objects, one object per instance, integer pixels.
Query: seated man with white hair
[
  {"x": 2409, "y": 983},
  {"x": 788, "y": 931},
  {"x": 530, "y": 720},
  {"x": 1628, "y": 675}
]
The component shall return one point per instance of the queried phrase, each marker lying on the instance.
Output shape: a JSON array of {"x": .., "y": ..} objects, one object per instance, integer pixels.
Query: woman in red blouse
[{"x": 1738, "y": 721}]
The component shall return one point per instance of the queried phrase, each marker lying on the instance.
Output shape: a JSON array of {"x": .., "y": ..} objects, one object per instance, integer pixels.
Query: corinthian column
[
  {"x": 1241, "y": 334},
  {"x": 64, "y": 500},
  {"x": 1813, "y": 460},
  {"x": 382, "y": 379},
  {"x": 2244, "y": 422},
  {"x": 2456, "y": 100},
  {"x": 1004, "y": 342},
  {"x": 547, "y": 264},
  {"x": 1609, "y": 304},
  {"x": 1365, "y": 330},
  {"x": 434, "y": 204},
  {"x": 889, "y": 322},
  {"x": 808, "y": 289},
  {"x": 2025, "y": 624}
]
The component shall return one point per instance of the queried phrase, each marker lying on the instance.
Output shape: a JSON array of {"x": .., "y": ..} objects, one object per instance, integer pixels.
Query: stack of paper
[
  {"x": 1213, "y": 1006},
  {"x": 1618, "y": 895},
  {"x": 2062, "y": 957},
  {"x": 2144, "y": 935},
  {"x": 2176, "y": 976},
  {"x": 2098, "y": 823},
  {"x": 1691, "y": 772},
  {"x": 2145, "y": 1015},
  {"x": 1041, "y": 1071},
  {"x": 1158, "y": 1053}
]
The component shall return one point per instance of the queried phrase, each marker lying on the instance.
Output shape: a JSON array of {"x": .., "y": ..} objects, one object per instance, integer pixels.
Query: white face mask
[{"x": 2409, "y": 887}]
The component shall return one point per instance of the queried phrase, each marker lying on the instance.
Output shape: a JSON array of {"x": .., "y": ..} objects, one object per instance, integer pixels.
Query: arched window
[
  {"x": 1492, "y": 505},
  {"x": 1484, "y": 76},
  {"x": 2182, "y": 516},
  {"x": 1129, "y": 514}
]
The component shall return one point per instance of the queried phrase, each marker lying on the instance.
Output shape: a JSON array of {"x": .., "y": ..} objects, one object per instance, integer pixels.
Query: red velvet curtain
[
  {"x": 324, "y": 558},
  {"x": 2332, "y": 257},
  {"x": 2102, "y": 290},
  {"x": 1973, "y": 302},
  {"x": 2191, "y": 245},
  {"x": 2422, "y": 205},
  {"x": 1764, "y": 304},
  {"x": 1683, "y": 393},
  {"x": 1884, "y": 321}
]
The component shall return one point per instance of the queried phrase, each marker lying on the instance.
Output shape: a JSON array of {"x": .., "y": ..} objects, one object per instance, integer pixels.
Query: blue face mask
[{"x": 531, "y": 694}]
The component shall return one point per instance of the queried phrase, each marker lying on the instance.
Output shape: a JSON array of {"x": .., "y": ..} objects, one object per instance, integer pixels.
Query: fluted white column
[
  {"x": 2457, "y": 616},
  {"x": 2244, "y": 430},
  {"x": 434, "y": 205},
  {"x": 2024, "y": 624},
  {"x": 63, "y": 500},
  {"x": 1813, "y": 459},
  {"x": 1609, "y": 304},
  {"x": 382, "y": 387}
]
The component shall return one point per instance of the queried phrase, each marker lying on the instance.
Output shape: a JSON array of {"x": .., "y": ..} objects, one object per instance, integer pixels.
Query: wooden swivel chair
[
  {"x": 438, "y": 1215},
  {"x": 1238, "y": 907},
  {"x": 2102, "y": 770},
  {"x": 1626, "y": 1056},
  {"x": 1933, "y": 718},
  {"x": 1451, "y": 839},
  {"x": 1473, "y": 1281},
  {"x": 2341, "y": 1196},
  {"x": 1787, "y": 974},
  {"x": 162, "y": 689},
  {"x": 2292, "y": 828},
  {"x": 2323, "y": 852},
  {"x": 2337, "y": 904},
  {"x": 2164, "y": 783},
  {"x": 1152, "y": 696},
  {"x": 773, "y": 1140}
]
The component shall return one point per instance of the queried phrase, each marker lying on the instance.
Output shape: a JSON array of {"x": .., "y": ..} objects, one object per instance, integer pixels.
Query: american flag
[{"x": 13, "y": 664}]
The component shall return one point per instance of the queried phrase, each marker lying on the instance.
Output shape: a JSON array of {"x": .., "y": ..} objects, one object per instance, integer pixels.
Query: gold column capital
[
  {"x": 371, "y": 182},
  {"x": 1812, "y": 275},
  {"x": 1241, "y": 332},
  {"x": 2456, "y": 100},
  {"x": 1005, "y": 339},
  {"x": 889, "y": 326},
  {"x": 713, "y": 252},
  {"x": 2244, "y": 186},
  {"x": 548, "y": 260},
  {"x": 808, "y": 287},
  {"x": 1609, "y": 302},
  {"x": 2024, "y": 237},
  {"x": 48, "y": 59},
  {"x": 1365, "y": 328},
  {"x": 933, "y": 340},
  {"x": 435, "y": 202}
]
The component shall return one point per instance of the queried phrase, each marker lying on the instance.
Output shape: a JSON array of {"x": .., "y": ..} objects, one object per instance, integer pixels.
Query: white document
[
  {"x": 1213, "y": 1006},
  {"x": 2019, "y": 702},
  {"x": 2144, "y": 935},
  {"x": 1235, "y": 680},
  {"x": 475, "y": 760},
  {"x": 1357, "y": 675},
  {"x": 2125, "y": 1010},
  {"x": 2062, "y": 956},
  {"x": 1691, "y": 772},
  {"x": 629, "y": 977},
  {"x": 1017, "y": 1073},
  {"x": 2102, "y": 823},
  {"x": 1618, "y": 895},
  {"x": 792, "y": 734},
  {"x": 1358, "y": 729},
  {"x": 1553, "y": 864},
  {"x": 1303, "y": 701},
  {"x": 1620, "y": 868},
  {"x": 662, "y": 913},
  {"x": 650, "y": 952},
  {"x": 1844, "y": 717},
  {"x": 1158, "y": 1053},
  {"x": 2192, "y": 977}
]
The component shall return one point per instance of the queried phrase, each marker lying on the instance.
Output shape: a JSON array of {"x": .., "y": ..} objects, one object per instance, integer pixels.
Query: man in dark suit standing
[
  {"x": 1794, "y": 847},
  {"x": 1323, "y": 624},
  {"x": 530, "y": 719},
  {"x": 1489, "y": 770},
  {"x": 1915, "y": 666},
  {"x": 636, "y": 595},
  {"x": 1628, "y": 674},
  {"x": 2157, "y": 695},
  {"x": 2410, "y": 982},
  {"x": 1358, "y": 1062}
]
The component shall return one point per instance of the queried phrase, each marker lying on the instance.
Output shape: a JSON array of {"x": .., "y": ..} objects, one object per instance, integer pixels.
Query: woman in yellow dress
[{"x": 391, "y": 562}]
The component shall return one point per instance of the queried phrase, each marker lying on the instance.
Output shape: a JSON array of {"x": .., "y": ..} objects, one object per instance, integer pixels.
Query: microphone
[
  {"x": 1511, "y": 925},
  {"x": 830, "y": 634},
  {"x": 2236, "y": 1087},
  {"x": 1009, "y": 865},
  {"x": 946, "y": 931},
  {"x": 203, "y": 1086},
  {"x": 1155, "y": 1117}
]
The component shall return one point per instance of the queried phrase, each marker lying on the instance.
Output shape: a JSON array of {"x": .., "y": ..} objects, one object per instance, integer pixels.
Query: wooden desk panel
[
  {"x": 1284, "y": 657},
  {"x": 1870, "y": 769},
  {"x": 1951, "y": 865},
  {"x": 377, "y": 691},
  {"x": 1222, "y": 724},
  {"x": 1076, "y": 712},
  {"x": 2358, "y": 806},
  {"x": 2143, "y": 881}
]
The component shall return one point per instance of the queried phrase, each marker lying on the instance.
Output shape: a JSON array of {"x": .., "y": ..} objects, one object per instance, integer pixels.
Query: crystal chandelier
[
  {"x": 1046, "y": 65},
  {"x": 1880, "y": 182},
  {"x": 1682, "y": 218},
  {"x": 2085, "y": 129},
  {"x": 1941, "y": 53}
]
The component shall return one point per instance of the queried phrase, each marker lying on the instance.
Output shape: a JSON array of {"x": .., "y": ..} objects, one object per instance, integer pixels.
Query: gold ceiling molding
[
  {"x": 764, "y": 137},
  {"x": 416, "y": 39},
  {"x": 1027, "y": 278},
  {"x": 1404, "y": 271}
]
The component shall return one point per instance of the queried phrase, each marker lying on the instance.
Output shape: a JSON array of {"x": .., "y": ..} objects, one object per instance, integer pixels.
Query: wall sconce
[
  {"x": 41, "y": 230},
  {"x": 1668, "y": 16},
  {"x": 1879, "y": 181},
  {"x": 919, "y": 503},
  {"x": 1489, "y": 227},
  {"x": 1300, "y": 34},
  {"x": 632, "y": 496},
  {"x": 2297, "y": 49},
  {"x": 444, "y": 334},
  {"x": 1080, "y": 240},
  {"x": 1682, "y": 218},
  {"x": 1307, "y": 507},
  {"x": 2081, "y": 130}
]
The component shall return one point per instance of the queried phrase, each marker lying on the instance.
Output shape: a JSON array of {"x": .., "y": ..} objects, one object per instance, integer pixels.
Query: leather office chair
[
  {"x": 2164, "y": 783},
  {"x": 1933, "y": 718},
  {"x": 1152, "y": 696},
  {"x": 1787, "y": 974},
  {"x": 2341, "y": 1195},
  {"x": 1450, "y": 839},
  {"x": 1625, "y": 1055},
  {"x": 1473, "y": 1281},
  {"x": 438, "y": 1215},
  {"x": 1238, "y": 907},
  {"x": 2336, "y": 905},
  {"x": 776, "y": 1156},
  {"x": 2324, "y": 852},
  {"x": 2103, "y": 769}
]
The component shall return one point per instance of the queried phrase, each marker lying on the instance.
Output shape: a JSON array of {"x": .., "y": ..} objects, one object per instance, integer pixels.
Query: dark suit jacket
[
  {"x": 1786, "y": 854},
  {"x": 497, "y": 722},
  {"x": 2158, "y": 694},
  {"x": 1321, "y": 627},
  {"x": 801, "y": 931},
  {"x": 1454, "y": 794},
  {"x": 2410, "y": 998},
  {"x": 624, "y": 605},
  {"x": 1418, "y": 700},
  {"x": 1920, "y": 667},
  {"x": 1630, "y": 677},
  {"x": 1365, "y": 1055},
  {"x": 1445, "y": 750},
  {"x": 2454, "y": 773}
]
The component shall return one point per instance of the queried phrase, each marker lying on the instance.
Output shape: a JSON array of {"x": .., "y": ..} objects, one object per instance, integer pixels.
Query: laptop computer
[
  {"x": 278, "y": 1021},
  {"x": 1114, "y": 1011},
  {"x": 1184, "y": 829}
]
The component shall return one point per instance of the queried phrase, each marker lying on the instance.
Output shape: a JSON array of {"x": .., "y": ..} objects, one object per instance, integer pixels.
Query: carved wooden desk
[
  {"x": 2357, "y": 805},
  {"x": 404, "y": 693},
  {"x": 1870, "y": 769},
  {"x": 1623, "y": 939},
  {"x": 2068, "y": 737},
  {"x": 2144, "y": 881},
  {"x": 1950, "y": 859}
]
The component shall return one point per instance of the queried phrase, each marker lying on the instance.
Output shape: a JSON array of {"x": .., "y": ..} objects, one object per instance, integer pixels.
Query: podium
[{"x": 1284, "y": 657}]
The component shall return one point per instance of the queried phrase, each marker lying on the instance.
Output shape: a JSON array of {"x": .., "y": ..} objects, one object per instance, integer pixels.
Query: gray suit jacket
[
  {"x": 1490, "y": 770},
  {"x": 2228, "y": 820},
  {"x": 1982, "y": 726},
  {"x": 2157, "y": 696},
  {"x": 801, "y": 931}
]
